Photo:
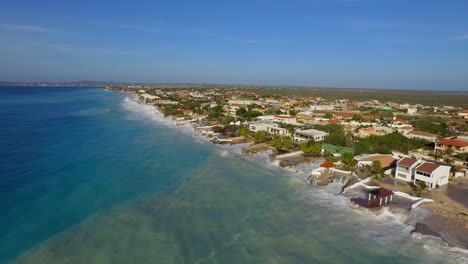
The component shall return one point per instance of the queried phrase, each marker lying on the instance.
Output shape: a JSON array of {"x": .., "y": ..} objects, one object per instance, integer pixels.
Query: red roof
[
  {"x": 427, "y": 167},
  {"x": 334, "y": 121},
  {"x": 408, "y": 162},
  {"x": 183, "y": 110},
  {"x": 399, "y": 121},
  {"x": 385, "y": 160},
  {"x": 327, "y": 164},
  {"x": 464, "y": 111},
  {"x": 453, "y": 142},
  {"x": 345, "y": 115},
  {"x": 381, "y": 192}
]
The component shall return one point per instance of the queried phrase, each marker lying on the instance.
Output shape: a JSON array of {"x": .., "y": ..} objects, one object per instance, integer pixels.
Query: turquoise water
[{"x": 90, "y": 176}]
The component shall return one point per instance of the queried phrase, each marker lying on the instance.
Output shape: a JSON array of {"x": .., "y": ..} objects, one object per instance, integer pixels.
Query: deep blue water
[
  {"x": 91, "y": 176},
  {"x": 67, "y": 153}
]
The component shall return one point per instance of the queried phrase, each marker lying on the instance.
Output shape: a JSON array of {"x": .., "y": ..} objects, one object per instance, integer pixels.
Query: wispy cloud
[
  {"x": 25, "y": 28},
  {"x": 204, "y": 33},
  {"x": 77, "y": 49},
  {"x": 461, "y": 37},
  {"x": 159, "y": 29}
]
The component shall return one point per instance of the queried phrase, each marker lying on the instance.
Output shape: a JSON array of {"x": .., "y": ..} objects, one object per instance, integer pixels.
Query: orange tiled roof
[
  {"x": 452, "y": 142},
  {"x": 408, "y": 162},
  {"x": 427, "y": 167}
]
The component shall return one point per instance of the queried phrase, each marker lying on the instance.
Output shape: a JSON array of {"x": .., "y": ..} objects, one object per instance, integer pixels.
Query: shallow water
[{"x": 99, "y": 178}]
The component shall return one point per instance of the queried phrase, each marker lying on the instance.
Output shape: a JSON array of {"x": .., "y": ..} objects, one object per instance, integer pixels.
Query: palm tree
[{"x": 421, "y": 187}]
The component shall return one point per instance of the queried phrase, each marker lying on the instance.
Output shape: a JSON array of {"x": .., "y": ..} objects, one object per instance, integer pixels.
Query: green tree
[
  {"x": 293, "y": 112},
  {"x": 311, "y": 147},
  {"x": 377, "y": 170},
  {"x": 243, "y": 131},
  {"x": 216, "y": 111},
  {"x": 349, "y": 161},
  {"x": 421, "y": 188},
  {"x": 260, "y": 137}
]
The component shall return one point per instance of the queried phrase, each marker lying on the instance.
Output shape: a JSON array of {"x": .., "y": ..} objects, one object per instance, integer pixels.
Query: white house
[
  {"x": 421, "y": 135},
  {"x": 434, "y": 175},
  {"x": 387, "y": 161},
  {"x": 463, "y": 113},
  {"x": 412, "y": 110},
  {"x": 275, "y": 130},
  {"x": 266, "y": 118},
  {"x": 309, "y": 134},
  {"x": 322, "y": 107},
  {"x": 405, "y": 169},
  {"x": 255, "y": 127},
  {"x": 285, "y": 119},
  {"x": 398, "y": 123}
]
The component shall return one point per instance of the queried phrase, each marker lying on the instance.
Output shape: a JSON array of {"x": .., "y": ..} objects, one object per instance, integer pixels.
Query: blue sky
[{"x": 404, "y": 44}]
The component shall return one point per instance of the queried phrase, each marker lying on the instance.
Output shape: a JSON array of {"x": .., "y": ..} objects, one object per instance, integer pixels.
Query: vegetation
[
  {"x": 311, "y": 147},
  {"x": 387, "y": 143},
  {"x": 261, "y": 137},
  {"x": 348, "y": 161},
  {"x": 421, "y": 188},
  {"x": 430, "y": 98},
  {"x": 377, "y": 170},
  {"x": 284, "y": 143},
  {"x": 247, "y": 114}
]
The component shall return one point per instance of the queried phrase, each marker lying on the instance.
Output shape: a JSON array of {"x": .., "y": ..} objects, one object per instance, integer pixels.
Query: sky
[{"x": 393, "y": 44}]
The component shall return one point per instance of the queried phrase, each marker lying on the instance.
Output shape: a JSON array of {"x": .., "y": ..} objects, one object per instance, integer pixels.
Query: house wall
[
  {"x": 259, "y": 127},
  {"x": 404, "y": 173},
  {"x": 439, "y": 177}
]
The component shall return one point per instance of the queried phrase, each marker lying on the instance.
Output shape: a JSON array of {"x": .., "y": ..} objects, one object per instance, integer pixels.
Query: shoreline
[{"x": 301, "y": 171}]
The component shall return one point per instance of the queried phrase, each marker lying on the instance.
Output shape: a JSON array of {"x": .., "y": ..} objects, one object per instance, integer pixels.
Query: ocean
[{"x": 92, "y": 176}]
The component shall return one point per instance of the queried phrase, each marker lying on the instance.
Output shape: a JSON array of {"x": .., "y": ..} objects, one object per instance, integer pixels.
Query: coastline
[{"x": 442, "y": 235}]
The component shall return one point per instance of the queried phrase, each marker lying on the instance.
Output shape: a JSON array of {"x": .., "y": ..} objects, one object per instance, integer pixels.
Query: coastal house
[
  {"x": 421, "y": 135},
  {"x": 460, "y": 172},
  {"x": 398, "y": 123},
  {"x": 463, "y": 113},
  {"x": 287, "y": 119},
  {"x": 373, "y": 131},
  {"x": 433, "y": 174},
  {"x": 456, "y": 144},
  {"x": 412, "y": 110},
  {"x": 309, "y": 134},
  {"x": 405, "y": 169},
  {"x": 387, "y": 162},
  {"x": 255, "y": 127},
  {"x": 279, "y": 131}
]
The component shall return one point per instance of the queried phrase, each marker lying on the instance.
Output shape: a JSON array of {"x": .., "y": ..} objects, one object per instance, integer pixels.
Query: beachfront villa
[
  {"x": 405, "y": 169},
  {"x": 309, "y": 134},
  {"x": 387, "y": 161},
  {"x": 255, "y": 127},
  {"x": 278, "y": 131},
  {"x": 433, "y": 174}
]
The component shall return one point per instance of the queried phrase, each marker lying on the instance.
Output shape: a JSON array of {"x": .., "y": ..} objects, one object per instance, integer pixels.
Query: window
[{"x": 423, "y": 173}]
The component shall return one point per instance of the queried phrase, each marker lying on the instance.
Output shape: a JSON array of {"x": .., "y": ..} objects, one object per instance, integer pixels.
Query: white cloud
[
  {"x": 26, "y": 28},
  {"x": 461, "y": 37}
]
